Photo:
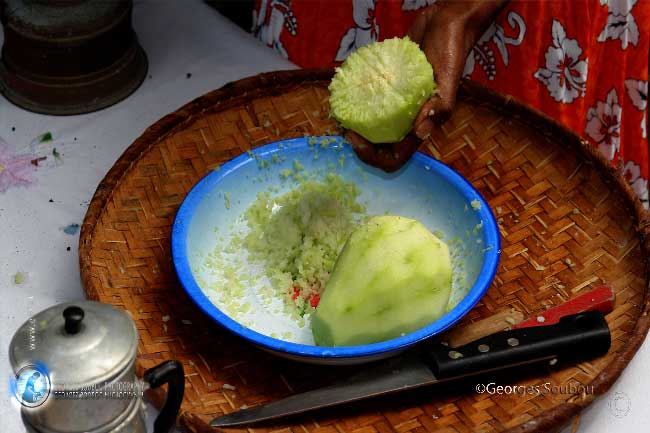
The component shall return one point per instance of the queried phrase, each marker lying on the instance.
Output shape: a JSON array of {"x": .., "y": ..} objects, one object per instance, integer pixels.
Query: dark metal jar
[{"x": 67, "y": 57}]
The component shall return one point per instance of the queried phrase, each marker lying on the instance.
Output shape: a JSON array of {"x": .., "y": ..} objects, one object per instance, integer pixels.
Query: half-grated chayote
[{"x": 379, "y": 89}]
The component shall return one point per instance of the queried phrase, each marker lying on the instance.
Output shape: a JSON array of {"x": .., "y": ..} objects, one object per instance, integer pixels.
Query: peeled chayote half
[{"x": 392, "y": 277}]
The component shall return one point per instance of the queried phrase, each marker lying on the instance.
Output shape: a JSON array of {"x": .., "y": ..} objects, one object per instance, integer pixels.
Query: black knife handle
[{"x": 575, "y": 338}]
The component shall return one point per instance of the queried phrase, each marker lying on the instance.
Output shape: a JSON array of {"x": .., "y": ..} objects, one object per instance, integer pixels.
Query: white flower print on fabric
[
  {"x": 632, "y": 173},
  {"x": 620, "y": 23},
  {"x": 565, "y": 73},
  {"x": 412, "y": 5},
  {"x": 637, "y": 90},
  {"x": 483, "y": 51},
  {"x": 365, "y": 31},
  {"x": 604, "y": 124},
  {"x": 273, "y": 16}
]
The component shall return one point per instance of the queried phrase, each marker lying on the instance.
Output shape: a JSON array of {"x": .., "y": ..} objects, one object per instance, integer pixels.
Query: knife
[{"x": 575, "y": 338}]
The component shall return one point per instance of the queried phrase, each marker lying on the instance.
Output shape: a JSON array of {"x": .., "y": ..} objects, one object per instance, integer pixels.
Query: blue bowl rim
[{"x": 183, "y": 220}]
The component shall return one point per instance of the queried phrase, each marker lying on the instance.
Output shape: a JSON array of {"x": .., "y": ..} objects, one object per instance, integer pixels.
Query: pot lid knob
[{"x": 73, "y": 316}]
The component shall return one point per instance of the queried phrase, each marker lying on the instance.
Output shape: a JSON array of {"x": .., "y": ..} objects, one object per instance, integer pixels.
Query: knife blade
[
  {"x": 574, "y": 338},
  {"x": 397, "y": 374}
]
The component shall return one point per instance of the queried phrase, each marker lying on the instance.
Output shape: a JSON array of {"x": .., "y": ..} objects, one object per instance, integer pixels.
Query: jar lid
[{"x": 79, "y": 343}]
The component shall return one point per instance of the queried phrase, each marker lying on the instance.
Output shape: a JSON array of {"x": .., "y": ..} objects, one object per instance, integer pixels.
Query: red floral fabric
[{"x": 582, "y": 62}]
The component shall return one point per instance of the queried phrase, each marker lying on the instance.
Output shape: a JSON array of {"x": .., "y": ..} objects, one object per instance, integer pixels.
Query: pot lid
[{"x": 78, "y": 343}]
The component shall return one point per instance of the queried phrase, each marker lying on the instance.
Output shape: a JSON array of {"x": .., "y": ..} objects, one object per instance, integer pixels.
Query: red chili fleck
[
  {"x": 314, "y": 301},
  {"x": 296, "y": 293}
]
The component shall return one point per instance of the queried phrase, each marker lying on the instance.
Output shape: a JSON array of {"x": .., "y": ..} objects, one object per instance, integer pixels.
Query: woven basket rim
[{"x": 273, "y": 83}]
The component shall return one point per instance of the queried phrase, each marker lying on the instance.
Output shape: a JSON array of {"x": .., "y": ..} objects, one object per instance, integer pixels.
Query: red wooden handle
[{"x": 601, "y": 299}]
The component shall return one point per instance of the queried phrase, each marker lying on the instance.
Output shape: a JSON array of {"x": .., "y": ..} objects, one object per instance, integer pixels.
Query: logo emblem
[{"x": 31, "y": 386}]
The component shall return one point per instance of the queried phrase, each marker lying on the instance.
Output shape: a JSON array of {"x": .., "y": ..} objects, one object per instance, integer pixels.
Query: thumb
[{"x": 447, "y": 57}]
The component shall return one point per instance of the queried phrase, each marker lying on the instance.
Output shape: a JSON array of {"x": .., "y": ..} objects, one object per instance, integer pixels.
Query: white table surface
[{"x": 179, "y": 37}]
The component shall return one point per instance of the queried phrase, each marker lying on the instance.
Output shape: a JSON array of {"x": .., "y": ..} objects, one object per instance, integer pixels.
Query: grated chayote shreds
[{"x": 298, "y": 235}]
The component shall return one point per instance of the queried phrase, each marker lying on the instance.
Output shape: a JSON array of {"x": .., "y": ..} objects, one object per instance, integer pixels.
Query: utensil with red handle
[{"x": 601, "y": 299}]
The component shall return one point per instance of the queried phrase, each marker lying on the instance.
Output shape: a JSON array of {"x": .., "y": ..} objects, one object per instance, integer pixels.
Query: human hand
[
  {"x": 446, "y": 31},
  {"x": 387, "y": 156}
]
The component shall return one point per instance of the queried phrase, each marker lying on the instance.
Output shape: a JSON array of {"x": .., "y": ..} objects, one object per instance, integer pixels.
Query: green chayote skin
[
  {"x": 379, "y": 89},
  {"x": 392, "y": 277}
]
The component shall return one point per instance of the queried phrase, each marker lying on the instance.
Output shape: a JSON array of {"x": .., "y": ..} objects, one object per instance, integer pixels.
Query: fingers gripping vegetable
[{"x": 380, "y": 88}]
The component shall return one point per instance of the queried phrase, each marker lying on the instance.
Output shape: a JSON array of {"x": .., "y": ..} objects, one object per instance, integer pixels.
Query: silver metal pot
[{"x": 74, "y": 372}]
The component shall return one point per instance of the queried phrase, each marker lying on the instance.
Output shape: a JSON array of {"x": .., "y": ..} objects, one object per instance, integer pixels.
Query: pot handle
[{"x": 170, "y": 372}]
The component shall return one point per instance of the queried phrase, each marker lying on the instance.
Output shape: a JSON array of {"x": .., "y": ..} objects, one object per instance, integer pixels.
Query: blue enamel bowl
[{"x": 424, "y": 189}]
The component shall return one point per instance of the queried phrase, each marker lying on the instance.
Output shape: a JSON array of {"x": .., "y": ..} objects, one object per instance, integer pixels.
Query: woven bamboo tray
[{"x": 568, "y": 223}]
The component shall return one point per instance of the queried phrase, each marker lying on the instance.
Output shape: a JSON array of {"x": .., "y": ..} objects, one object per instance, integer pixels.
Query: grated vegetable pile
[
  {"x": 298, "y": 235},
  {"x": 289, "y": 242}
]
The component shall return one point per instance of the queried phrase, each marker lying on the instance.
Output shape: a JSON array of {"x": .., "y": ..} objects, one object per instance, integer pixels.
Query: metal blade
[{"x": 405, "y": 372}]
